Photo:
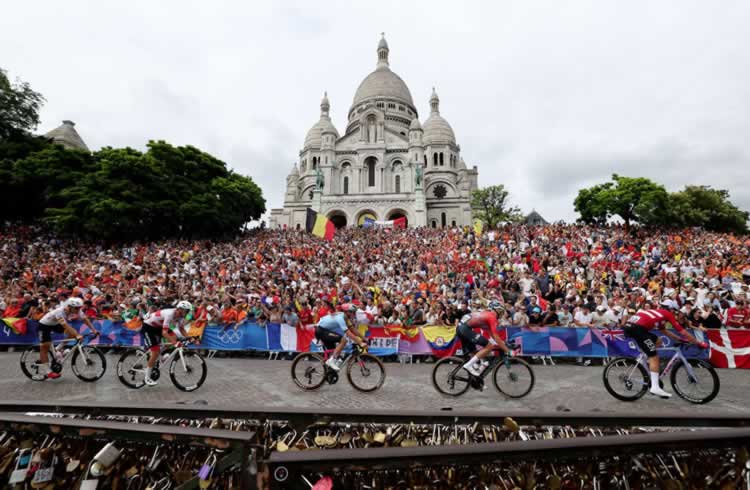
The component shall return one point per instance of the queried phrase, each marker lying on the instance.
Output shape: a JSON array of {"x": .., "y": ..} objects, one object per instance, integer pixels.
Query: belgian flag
[{"x": 319, "y": 225}]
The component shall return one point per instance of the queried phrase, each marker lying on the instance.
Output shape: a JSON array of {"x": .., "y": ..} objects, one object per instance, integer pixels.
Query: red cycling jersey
[
  {"x": 483, "y": 319},
  {"x": 650, "y": 319}
]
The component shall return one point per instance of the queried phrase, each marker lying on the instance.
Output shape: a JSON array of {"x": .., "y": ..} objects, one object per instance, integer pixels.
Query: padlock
[
  {"x": 105, "y": 458},
  {"x": 89, "y": 483},
  {"x": 208, "y": 467},
  {"x": 23, "y": 461},
  {"x": 45, "y": 472}
]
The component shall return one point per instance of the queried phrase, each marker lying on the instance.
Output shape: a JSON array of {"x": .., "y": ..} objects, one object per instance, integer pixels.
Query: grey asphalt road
[{"x": 258, "y": 382}]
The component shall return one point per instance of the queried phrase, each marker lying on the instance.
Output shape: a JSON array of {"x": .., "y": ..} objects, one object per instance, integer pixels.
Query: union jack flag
[{"x": 611, "y": 334}]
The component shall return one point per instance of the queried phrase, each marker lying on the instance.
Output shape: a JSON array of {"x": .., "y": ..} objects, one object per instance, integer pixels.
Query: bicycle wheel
[
  {"x": 131, "y": 368},
  {"x": 30, "y": 366},
  {"x": 700, "y": 386},
  {"x": 365, "y": 372},
  {"x": 308, "y": 371},
  {"x": 188, "y": 370},
  {"x": 449, "y": 377},
  {"x": 625, "y": 379},
  {"x": 514, "y": 379},
  {"x": 90, "y": 365}
]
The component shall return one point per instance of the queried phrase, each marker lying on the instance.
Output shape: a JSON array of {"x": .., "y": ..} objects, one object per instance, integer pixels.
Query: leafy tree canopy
[
  {"x": 490, "y": 204},
  {"x": 645, "y": 202},
  {"x": 19, "y": 107}
]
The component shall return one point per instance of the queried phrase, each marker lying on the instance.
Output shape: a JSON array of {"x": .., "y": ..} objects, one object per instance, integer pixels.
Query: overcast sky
[{"x": 544, "y": 97}]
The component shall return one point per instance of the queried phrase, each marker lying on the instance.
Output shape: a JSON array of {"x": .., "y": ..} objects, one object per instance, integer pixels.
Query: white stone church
[{"x": 385, "y": 165}]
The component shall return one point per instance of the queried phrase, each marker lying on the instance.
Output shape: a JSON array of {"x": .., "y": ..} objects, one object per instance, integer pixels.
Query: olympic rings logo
[{"x": 230, "y": 336}]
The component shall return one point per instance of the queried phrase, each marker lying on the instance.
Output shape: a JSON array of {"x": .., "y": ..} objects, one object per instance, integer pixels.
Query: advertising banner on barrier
[{"x": 728, "y": 347}]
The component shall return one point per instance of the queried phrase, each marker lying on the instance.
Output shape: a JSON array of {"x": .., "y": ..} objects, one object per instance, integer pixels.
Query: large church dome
[
  {"x": 314, "y": 138},
  {"x": 383, "y": 83}
]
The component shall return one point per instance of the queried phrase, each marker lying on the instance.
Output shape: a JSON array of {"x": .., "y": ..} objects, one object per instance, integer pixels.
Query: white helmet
[
  {"x": 184, "y": 305},
  {"x": 74, "y": 302},
  {"x": 668, "y": 304}
]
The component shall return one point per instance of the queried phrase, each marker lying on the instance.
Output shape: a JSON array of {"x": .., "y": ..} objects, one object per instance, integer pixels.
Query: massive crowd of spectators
[{"x": 563, "y": 275}]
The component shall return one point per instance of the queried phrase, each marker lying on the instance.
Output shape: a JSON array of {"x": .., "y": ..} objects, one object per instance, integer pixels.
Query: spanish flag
[{"x": 319, "y": 225}]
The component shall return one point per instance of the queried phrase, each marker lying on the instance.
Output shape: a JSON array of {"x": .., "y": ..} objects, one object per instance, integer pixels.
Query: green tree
[
  {"x": 491, "y": 205},
  {"x": 19, "y": 107},
  {"x": 167, "y": 191},
  {"x": 634, "y": 199},
  {"x": 698, "y": 205}
]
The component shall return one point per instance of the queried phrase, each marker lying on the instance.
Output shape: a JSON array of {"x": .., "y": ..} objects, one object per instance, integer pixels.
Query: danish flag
[{"x": 729, "y": 348}]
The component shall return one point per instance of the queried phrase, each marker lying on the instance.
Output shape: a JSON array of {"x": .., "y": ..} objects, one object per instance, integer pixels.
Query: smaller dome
[
  {"x": 67, "y": 136},
  {"x": 436, "y": 128},
  {"x": 324, "y": 125},
  {"x": 415, "y": 125},
  {"x": 314, "y": 137}
]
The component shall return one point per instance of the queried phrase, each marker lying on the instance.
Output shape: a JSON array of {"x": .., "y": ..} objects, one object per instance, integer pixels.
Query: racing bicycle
[
  {"x": 512, "y": 376},
  {"x": 694, "y": 380},
  {"x": 187, "y": 368},
  {"x": 365, "y": 372},
  {"x": 87, "y": 362}
]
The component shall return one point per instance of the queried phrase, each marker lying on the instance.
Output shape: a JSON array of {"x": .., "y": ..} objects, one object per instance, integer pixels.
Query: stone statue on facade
[
  {"x": 418, "y": 175},
  {"x": 319, "y": 181}
]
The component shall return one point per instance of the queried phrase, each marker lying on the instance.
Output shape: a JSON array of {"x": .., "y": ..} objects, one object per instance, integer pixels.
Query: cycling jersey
[
  {"x": 335, "y": 322},
  {"x": 53, "y": 317},
  {"x": 483, "y": 319},
  {"x": 163, "y": 319},
  {"x": 655, "y": 319}
]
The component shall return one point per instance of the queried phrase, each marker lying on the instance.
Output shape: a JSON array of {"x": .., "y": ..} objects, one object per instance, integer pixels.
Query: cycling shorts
[
  {"x": 470, "y": 339},
  {"x": 45, "y": 331},
  {"x": 151, "y": 336},
  {"x": 643, "y": 337},
  {"x": 329, "y": 338}
]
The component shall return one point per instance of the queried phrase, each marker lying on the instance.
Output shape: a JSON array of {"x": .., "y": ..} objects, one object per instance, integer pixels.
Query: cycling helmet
[
  {"x": 495, "y": 305},
  {"x": 184, "y": 305},
  {"x": 74, "y": 302}
]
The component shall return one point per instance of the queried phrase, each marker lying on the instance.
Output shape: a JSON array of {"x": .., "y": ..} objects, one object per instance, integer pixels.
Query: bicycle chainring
[
  {"x": 476, "y": 382},
  {"x": 155, "y": 373},
  {"x": 332, "y": 377},
  {"x": 56, "y": 367}
]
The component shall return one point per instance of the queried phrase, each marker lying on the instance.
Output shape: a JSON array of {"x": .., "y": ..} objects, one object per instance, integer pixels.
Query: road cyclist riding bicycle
[
  {"x": 470, "y": 339},
  {"x": 639, "y": 328},
  {"x": 168, "y": 322},
  {"x": 334, "y": 329},
  {"x": 58, "y": 321}
]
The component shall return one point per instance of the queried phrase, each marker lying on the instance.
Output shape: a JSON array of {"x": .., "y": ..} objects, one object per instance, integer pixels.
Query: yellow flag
[{"x": 477, "y": 227}]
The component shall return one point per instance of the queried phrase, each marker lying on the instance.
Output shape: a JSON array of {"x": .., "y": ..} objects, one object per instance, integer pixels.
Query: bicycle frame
[
  {"x": 677, "y": 356},
  {"x": 76, "y": 346}
]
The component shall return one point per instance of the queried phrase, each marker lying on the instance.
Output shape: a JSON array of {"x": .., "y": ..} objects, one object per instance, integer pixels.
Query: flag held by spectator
[
  {"x": 477, "y": 227},
  {"x": 442, "y": 340},
  {"x": 18, "y": 325},
  {"x": 319, "y": 225},
  {"x": 729, "y": 348}
]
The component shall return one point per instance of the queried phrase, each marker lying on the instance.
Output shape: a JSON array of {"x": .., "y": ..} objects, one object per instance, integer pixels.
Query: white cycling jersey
[
  {"x": 163, "y": 319},
  {"x": 54, "y": 317}
]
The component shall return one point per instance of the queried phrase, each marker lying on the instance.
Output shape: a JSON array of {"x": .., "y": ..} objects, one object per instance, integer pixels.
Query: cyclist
[
  {"x": 161, "y": 323},
  {"x": 639, "y": 328},
  {"x": 58, "y": 321},
  {"x": 333, "y": 329},
  {"x": 486, "y": 319}
]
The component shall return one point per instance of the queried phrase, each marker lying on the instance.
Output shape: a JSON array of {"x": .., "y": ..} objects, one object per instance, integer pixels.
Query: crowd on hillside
[{"x": 555, "y": 275}]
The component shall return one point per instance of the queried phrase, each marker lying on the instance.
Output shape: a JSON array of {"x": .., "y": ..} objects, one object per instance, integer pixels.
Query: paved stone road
[{"x": 256, "y": 382}]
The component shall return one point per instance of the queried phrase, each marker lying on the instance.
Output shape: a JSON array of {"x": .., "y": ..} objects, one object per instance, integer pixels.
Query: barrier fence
[{"x": 729, "y": 348}]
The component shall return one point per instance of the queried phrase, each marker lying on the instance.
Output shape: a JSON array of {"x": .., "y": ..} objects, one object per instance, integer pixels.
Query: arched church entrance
[
  {"x": 396, "y": 214},
  {"x": 366, "y": 215},
  {"x": 338, "y": 219}
]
